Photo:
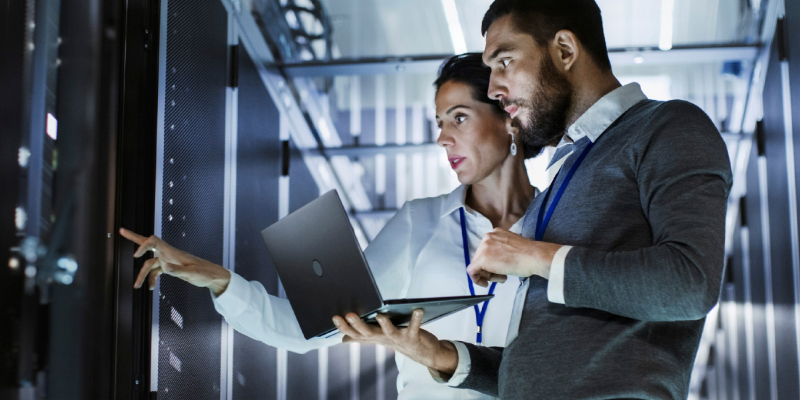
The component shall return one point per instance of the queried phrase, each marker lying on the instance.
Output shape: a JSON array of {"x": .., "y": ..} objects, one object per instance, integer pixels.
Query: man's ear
[{"x": 565, "y": 50}]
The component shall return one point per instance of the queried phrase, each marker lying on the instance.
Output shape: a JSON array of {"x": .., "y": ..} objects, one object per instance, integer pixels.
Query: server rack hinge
[
  {"x": 234, "y": 66},
  {"x": 285, "y": 158},
  {"x": 780, "y": 36},
  {"x": 760, "y": 138}
]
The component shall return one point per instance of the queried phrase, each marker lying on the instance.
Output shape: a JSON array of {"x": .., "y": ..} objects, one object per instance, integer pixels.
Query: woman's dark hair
[
  {"x": 542, "y": 19},
  {"x": 469, "y": 69}
]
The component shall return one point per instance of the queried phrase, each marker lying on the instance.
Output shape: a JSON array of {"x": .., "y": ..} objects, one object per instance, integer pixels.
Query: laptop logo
[{"x": 317, "y": 267}]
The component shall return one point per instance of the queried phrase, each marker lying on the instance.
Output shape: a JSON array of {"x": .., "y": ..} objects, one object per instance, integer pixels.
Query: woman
[{"x": 421, "y": 250}]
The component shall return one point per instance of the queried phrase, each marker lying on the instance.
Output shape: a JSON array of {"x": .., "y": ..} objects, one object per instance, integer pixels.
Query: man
[{"x": 624, "y": 252}]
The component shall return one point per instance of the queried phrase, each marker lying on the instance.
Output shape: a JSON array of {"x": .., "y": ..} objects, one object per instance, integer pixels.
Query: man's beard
[{"x": 549, "y": 105}]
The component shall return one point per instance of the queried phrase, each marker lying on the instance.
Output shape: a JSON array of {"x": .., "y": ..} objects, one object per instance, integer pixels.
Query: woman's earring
[{"x": 513, "y": 146}]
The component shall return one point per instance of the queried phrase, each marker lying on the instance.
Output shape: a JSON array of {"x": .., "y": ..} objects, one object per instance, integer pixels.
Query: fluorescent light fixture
[
  {"x": 667, "y": 24},
  {"x": 380, "y": 174},
  {"x": 456, "y": 33},
  {"x": 23, "y": 157},
  {"x": 20, "y": 218},
  {"x": 52, "y": 126},
  {"x": 638, "y": 60},
  {"x": 324, "y": 131}
]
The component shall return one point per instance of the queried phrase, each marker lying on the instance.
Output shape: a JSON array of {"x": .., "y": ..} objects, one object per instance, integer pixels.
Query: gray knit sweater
[{"x": 646, "y": 214}]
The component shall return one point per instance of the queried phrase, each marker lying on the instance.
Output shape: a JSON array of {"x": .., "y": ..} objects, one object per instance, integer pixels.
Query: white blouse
[{"x": 419, "y": 253}]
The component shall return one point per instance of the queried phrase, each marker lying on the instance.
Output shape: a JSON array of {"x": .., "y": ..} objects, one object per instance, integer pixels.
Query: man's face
[{"x": 524, "y": 78}]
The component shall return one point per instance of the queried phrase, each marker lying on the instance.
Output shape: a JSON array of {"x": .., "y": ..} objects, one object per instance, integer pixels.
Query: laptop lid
[{"x": 321, "y": 266}]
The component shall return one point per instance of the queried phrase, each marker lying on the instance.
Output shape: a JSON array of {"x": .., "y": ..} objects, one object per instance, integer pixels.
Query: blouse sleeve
[{"x": 389, "y": 255}]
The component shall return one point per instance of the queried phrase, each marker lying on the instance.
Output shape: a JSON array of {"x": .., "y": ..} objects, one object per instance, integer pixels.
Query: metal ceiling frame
[{"x": 423, "y": 64}]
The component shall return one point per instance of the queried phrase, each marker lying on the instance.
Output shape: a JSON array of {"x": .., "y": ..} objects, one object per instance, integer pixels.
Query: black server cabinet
[
  {"x": 258, "y": 169},
  {"x": 192, "y": 207}
]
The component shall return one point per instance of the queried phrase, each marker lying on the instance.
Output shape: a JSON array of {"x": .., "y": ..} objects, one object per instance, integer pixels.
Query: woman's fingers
[
  {"x": 153, "y": 276},
  {"x": 149, "y": 244},
  {"x": 146, "y": 268},
  {"x": 362, "y": 327},
  {"x": 387, "y": 327},
  {"x": 416, "y": 322},
  {"x": 132, "y": 236},
  {"x": 345, "y": 328},
  {"x": 498, "y": 278}
]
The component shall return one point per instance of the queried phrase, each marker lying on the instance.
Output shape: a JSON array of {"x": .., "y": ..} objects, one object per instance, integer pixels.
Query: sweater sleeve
[
  {"x": 684, "y": 179},
  {"x": 483, "y": 369}
]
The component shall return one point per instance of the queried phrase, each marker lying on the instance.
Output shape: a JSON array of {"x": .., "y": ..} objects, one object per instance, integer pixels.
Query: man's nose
[{"x": 497, "y": 90}]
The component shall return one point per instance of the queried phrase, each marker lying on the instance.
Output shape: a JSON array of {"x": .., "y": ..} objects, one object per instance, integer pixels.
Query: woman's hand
[
  {"x": 171, "y": 261},
  {"x": 415, "y": 343}
]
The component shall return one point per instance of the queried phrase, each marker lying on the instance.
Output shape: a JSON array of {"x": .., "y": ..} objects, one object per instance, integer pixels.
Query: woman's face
[{"x": 473, "y": 133}]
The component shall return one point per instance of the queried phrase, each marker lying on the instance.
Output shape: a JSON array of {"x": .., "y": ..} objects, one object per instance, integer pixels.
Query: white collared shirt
[
  {"x": 419, "y": 253},
  {"x": 591, "y": 124}
]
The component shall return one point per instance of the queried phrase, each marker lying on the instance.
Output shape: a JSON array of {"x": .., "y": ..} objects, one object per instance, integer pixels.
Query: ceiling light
[
  {"x": 52, "y": 126},
  {"x": 456, "y": 33},
  {"x": 667, "y": 23}
]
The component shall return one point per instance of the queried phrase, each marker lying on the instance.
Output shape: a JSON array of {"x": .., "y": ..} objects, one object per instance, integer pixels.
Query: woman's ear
[{"x": 511, "y": 129}]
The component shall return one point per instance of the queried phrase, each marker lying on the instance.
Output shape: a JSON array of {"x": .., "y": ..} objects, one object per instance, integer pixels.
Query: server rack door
[
  {"x": 303, "y": 369},
  {"x": 780, "y": 235},
  {"x": 753, "y": 214},
  {"x": 192, "y": 193},
  {"x": 258, "y": 165}
]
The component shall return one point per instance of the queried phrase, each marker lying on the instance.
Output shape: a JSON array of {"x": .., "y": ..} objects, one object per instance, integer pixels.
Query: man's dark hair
[
  {"x": 542, "y": 19},
  {"x": 469, "y": 69}
]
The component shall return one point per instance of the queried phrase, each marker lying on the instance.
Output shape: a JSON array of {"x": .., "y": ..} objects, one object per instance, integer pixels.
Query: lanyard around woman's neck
[{"x": 480, "y": 312}]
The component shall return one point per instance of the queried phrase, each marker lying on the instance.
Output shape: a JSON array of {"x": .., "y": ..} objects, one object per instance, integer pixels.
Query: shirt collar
[
  {"x": 455, "y": 200},
  {"x": 603, "y": 113}
]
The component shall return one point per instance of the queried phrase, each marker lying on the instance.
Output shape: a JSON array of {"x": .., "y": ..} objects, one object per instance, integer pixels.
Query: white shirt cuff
[
  {"x": 462, "y": 370},
  {"x": 235, "y": 299},
  {"x": 555, "y": 286}
]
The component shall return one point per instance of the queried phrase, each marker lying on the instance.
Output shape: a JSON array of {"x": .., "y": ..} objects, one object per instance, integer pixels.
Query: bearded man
[{"x": 623, "y": 253}]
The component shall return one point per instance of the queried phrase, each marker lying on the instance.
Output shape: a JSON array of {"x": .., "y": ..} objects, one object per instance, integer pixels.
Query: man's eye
[{"x": 505, "y": 62}]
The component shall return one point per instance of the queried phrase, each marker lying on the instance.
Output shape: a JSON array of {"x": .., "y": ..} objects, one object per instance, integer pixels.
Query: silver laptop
[{"x": 324, "y": 272}]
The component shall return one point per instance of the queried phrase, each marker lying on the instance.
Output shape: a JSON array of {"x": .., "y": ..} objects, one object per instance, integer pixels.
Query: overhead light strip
[
  {"x": 456, "y": 33},
  {"x": 667, "y": 24}
]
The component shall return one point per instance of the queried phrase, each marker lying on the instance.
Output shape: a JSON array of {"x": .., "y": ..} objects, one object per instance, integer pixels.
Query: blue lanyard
[
  {"x": 480, "y": 312},
  {"x": 544, "y": 219}
]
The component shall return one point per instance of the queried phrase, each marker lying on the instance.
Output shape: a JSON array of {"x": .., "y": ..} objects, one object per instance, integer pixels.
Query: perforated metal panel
[
  {"x": 258, "y": 168},
  {"x": 193, "y": 193}
]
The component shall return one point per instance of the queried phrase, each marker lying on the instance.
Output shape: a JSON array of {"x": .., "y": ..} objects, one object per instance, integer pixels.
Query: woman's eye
[
  {"x": 506, "y": 62},
  {"x": 461, "y": 118}
]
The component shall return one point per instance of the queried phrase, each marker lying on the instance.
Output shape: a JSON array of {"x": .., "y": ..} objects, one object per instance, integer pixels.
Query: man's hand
[
  {"x": 417, "y": 344},
  {"x": 504, "y": 253},
  {"x": 179, "y": 264}
]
